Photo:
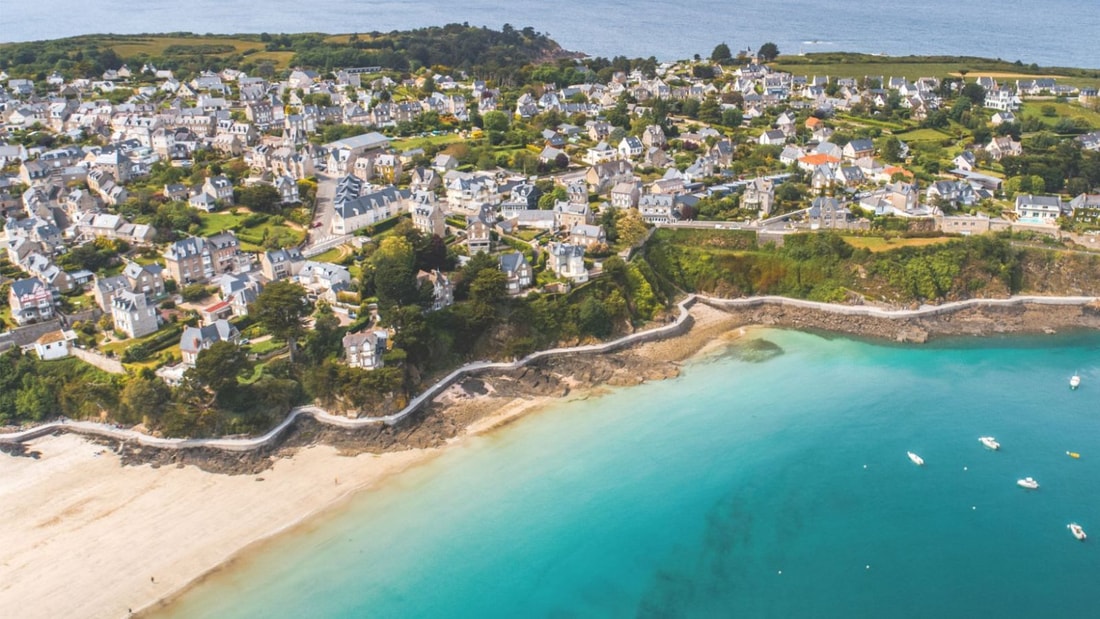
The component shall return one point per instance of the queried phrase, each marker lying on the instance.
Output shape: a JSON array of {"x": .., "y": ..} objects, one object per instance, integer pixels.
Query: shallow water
[{"x": 773, "y": 486}]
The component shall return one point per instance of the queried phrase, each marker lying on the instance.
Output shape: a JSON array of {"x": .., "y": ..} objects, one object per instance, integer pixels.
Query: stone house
[
  {"x": 365, "y": 350},
  {"x": 427, "y": 215},
  {"x": 133, "y": 315},
  {"x": 517, "y": 271},
  {"x": 759, "y": 196},
  {"x": 281, "y": 263}
]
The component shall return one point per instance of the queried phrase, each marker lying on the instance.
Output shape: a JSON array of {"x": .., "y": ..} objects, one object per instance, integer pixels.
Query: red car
[{"x": 316, "y": 224}]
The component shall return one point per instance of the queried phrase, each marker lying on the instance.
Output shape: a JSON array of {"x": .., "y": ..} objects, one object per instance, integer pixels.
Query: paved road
[{"x": 323, "y": 212}]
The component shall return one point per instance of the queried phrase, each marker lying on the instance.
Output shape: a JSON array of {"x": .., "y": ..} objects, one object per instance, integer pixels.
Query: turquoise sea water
[{"x": 758, "y": 488}]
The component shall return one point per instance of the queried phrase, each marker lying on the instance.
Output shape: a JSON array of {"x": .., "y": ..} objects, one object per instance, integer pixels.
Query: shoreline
[
  {"x": 184, "y": 524},
  {"x": 973, "y": 317}
]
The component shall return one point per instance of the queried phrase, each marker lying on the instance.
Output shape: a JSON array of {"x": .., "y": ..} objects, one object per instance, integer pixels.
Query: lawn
[
  {"x": 1033, "y": 109},
  {"x": 333, "y": 255},
  {"x": 924, "y": 135},
  {"x": 251, "y": 238},
  {"x": 213, "y": 223},
  {"x": 872, "y": 122},
  {"x": 429, "y": 140},
  {"x": 878, "y": 243},
  {"x": 266, "y": 346},
  {"x": 529, "y": 234}
]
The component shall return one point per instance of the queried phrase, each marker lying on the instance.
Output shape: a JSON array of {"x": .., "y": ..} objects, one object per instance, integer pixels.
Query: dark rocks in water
[{"x": 756, "y": 350}]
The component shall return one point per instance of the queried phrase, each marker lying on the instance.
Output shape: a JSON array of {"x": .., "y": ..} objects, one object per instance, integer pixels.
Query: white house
[
  {"x": 54, "y": 345},
  {"x": 567, "y": 261},
  {"x": 1041, "y": 209}
]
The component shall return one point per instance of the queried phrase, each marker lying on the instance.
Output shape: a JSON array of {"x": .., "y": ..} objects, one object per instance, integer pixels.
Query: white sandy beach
[{"x": 84, "y": 536}]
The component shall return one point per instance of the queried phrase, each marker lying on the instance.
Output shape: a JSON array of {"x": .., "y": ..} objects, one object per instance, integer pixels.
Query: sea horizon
[
  {"x": 617, "y": 27},
  {"x": 725, "y": 490}
]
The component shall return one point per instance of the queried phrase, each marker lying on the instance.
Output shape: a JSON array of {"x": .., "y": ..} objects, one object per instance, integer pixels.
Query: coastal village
[{"x": 146, "y": 211}]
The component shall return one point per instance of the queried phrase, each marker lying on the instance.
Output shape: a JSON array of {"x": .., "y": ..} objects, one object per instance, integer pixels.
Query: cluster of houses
[{"x": 67, "y": 196}]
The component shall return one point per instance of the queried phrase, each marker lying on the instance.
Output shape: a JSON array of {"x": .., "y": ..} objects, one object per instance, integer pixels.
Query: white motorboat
[
  {"x": 990, "y": 442},
  {"x": 1075, "y": 381},
  {"x": 1077, "y": 531},
  {"x": 1028, "y": 483},
  {"x": 917, "y": 460}
]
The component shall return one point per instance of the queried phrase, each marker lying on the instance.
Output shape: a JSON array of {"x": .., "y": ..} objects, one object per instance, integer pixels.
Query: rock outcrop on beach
[{"x": 967, "y": 321}]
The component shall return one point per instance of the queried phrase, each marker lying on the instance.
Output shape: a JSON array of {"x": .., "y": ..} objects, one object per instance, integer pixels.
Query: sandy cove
[{"x": 86, "y": 536}]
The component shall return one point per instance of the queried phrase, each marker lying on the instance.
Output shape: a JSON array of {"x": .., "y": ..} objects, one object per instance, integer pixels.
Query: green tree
[
  {"x": 218, "y": 367},
  {"x": 495, "y": 121},
  {"x": 324, "y": 340},
  {"x": 768, "y": 52},
  {"x": 732, "y": 117},
  {"x": 709, "y": 112},
  {"x": 395, "y": 272},
  {"x": 891, "y": 149},
  {"x": 282, "y": 308},
  {"x": 594, "y": 318},
  {"x": 261, "y": 198},
  {"x": 143, "y": 397},
  {"x": 488, "y": 287},
  {"x": 630, "y": 227},
  {"x": 721, "y": 53}
]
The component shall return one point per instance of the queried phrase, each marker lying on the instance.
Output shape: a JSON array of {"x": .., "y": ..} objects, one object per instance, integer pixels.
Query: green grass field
[
  {"x": 924, "y": 135},
  {"x": 333, "y": 255},
  {"x": 1033, "y": 109},
  {"x": 251, "y": 237},
  {"x": 213, "y": 223},
  {"x": 430, "y": 140}
]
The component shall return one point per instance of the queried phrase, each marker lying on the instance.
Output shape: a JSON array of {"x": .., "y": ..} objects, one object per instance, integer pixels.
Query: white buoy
[
  {"x": 965, "y": 469},
  {"x": 973, "y": 507},
  {"x": 868, "y": 567},
  {"x": 864, "y": 466},
  {"x": 780, "y": 571}
]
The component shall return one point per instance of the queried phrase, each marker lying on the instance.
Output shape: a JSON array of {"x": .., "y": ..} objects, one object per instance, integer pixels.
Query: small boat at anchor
[
  {"x": 917, "y": 460},
  {"x": 1077, "y": 531},
  {"x": 1075, "y": 381},
  {"x": 1028, "y": 483},
  {"x": 990, "y": 442},
  {"x": 1073, "y": 454}
]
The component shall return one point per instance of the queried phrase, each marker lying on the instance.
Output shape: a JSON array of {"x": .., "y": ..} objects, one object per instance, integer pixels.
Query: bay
[
  {"x": 770, "y": 480},
  {"x": 1047, "y": 32}
]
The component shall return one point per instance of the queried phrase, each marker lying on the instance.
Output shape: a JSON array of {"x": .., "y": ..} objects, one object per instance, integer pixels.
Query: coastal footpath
[{"x": 974, "y": 317}]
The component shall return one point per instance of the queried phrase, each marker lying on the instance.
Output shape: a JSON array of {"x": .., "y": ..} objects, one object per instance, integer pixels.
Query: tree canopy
[
  {"x": 282, "y": 308},
  {"x": 768, "y": 52},
  {"x": 721, "y": 53}
]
